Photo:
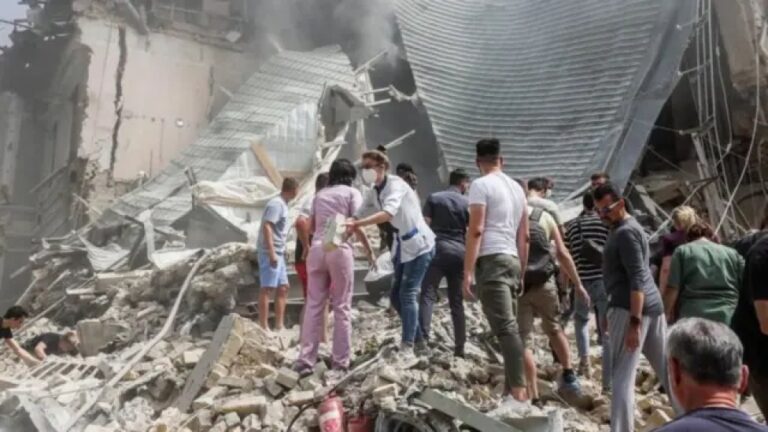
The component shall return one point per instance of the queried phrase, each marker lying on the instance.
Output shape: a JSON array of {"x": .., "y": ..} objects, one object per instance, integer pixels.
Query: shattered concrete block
[
  {"x": 273, "y": 388},
  {"x": 192, "y": 357},
  {"x": 252, "y": 423},
  {"x": 274, "y": 414},
  {"x": 221, "y": 426},
  {"x": 287, "y": 378},
  {"x": 232, "y": 419},
  {"x": 389, "y": 390},
  {"x": 300, "y": 397},
  {"x": 265, "y": 371},
  {"x": 208, "y": 399},
  {"x": 309, "y": 383},
  {"x": 236, "y": 382},
  {"x": 231, "y": 349},
  {"x": 95, "y": 335},
  {"x": 244, "y": 405},
  {"x": 202, "y": 420},
  {"x": 8, "y": 383},
  {"x": 218, "y": 371}
]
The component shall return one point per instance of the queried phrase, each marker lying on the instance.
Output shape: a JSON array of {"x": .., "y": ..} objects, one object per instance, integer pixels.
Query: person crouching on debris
[
  {"x": 414, "y": 243},
  {"x": 46, "y": 344},
  {"x": 331, "y": 269},
  {"x": 13, "y": 320},
  {"x": 273, "y": 275},
  {"x": 497, "y": 254}
]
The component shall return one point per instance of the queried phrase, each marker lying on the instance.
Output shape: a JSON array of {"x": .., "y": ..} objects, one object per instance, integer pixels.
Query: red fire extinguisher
[
  {"x": 331, "y": 414},
  {"x": 360, "y": 422}
]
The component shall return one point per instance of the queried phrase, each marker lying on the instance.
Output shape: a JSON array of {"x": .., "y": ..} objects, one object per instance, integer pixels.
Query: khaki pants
[
  {"x": 542, "y": 301},
  {"x": 498, "y": 283}
]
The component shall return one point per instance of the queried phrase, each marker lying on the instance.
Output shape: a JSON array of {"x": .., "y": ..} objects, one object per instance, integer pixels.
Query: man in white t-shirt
[{"x": 497, "y": 253}]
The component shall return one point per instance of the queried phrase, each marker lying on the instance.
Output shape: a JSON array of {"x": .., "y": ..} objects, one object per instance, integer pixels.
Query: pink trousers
[{"x": 331, "y": 274}]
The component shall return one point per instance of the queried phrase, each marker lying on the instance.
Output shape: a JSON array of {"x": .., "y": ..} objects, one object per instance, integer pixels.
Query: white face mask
[
  {"x": 369, "y": 176},
  {"x": 548, "y": 194}
]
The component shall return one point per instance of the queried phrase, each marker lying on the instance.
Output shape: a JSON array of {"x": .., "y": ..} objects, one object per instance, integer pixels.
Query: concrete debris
[{"x": 220, "y": 371}]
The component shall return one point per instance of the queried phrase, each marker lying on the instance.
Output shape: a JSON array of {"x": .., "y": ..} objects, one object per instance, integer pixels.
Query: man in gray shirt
[
  {"x": 273, "y": 275},
  {"x": 636, "y": 319}
]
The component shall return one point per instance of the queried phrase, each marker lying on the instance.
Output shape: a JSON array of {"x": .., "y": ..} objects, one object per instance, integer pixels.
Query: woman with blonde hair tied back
[{"x": 683, "y": 218}]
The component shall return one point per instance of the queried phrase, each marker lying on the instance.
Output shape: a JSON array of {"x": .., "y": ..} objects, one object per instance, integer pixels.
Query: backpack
[
  {"x": 541, "y": 265},
  {"x": 590, "y": 250}
]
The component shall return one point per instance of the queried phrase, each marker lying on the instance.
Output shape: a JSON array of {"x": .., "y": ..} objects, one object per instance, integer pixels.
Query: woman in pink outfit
[{"x": 331, "y": 272}]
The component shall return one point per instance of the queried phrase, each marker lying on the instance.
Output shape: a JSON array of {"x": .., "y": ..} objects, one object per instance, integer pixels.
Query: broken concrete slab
[
  {"x": 244, "y": 405},
  {"x": 232, "y": 419},
  {"x": 299, "y": 397},
  {"x": 236, "y": 382},
  {"x": 208, "y": 399},
  {"x": 192, "y": 357},
  {"x": 95, "y": 335},
  {"x": 287, "y": 378},
  {"x": 199, "y": 374}
]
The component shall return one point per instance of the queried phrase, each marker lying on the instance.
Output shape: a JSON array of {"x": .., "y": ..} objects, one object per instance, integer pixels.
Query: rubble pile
[{"x": 218, "y": 371}]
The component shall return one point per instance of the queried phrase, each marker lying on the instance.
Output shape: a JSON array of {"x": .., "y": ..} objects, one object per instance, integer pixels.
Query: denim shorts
[{"x": 272, "y": 277}]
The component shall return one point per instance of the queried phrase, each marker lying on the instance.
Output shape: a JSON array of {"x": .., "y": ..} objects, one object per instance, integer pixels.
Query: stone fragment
[
  {"x": 244, "y": 405},
  {"x": 221, "y": 426},
  {"x": 231, "y": 349},
  {"x": 95, "y": 335},
  {"x": 309, "y": 383},
  {"x": 202, "y": 421},
  {"x": 274, "y": 414},
  {"x": 95, "y": 428},
  {"x": 389, "y": 390},
  {"x": 299, "y": 397},
  {"x": 232, "y": 419},
  {"x": 252, "y": 423},
  {"x": 218, "y": 371},
  {"x": 287, "y": 378},
  {"x": 273, "y": 388},
  {"x": 192, "y": 357},
  {"x": 264, "y": 371},
  {"x": 207, "y": 400},
  {"x": 236, "y": 382}
]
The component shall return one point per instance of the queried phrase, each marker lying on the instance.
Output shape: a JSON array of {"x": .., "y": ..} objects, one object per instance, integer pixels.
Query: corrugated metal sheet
[
  {"x": 269, "y": 105},
  {"x": 559, "y": 82}
]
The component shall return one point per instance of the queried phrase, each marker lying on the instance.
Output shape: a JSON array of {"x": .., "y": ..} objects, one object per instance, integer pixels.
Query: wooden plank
[{"x": 266, "y": 162}]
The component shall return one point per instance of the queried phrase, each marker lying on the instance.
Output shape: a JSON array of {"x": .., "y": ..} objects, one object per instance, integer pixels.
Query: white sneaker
[
  {"x": 406, "y": 358},
  {"x": 509, "y": 407}
]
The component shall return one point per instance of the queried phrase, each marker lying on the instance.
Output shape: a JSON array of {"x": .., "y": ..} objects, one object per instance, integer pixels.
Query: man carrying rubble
[
  {"x": 447, "y": 213},
  {"x": 414, "y": 243},
  {"x": 273, "y": 275},
  {"x": 13, "y": 320},
  {"x": 636, "y": 321},
  {"x": 497, "y": 253},
  {"x": 540, "y": 297},
  {"x": 707, "y": 377}
]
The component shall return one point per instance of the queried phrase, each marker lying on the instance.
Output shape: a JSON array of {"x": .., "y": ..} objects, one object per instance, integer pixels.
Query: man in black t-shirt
[
  {"x": 706, "y": 376},
  {"x": 750, "y": 321},
  {"x": 45, "y": 344},
  {"x": 13, "y": 320}
]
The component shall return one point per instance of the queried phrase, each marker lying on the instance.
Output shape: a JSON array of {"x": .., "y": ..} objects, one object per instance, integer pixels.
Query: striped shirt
[{"x": 587, "y": 227}]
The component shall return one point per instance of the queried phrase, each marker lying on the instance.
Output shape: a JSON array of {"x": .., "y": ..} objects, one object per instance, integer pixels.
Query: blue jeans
[
  {"x": 406, "y": 288},
  {"x": 599, "y": 300}
]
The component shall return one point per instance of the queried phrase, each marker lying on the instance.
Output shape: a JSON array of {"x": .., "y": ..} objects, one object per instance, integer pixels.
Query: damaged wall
[{"x": 149, "y": 96}]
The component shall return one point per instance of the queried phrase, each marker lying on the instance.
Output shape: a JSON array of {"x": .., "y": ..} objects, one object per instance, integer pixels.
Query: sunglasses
[{"x": 605, "y": 210}]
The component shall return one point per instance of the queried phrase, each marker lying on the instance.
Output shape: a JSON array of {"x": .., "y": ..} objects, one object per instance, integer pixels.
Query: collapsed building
[{"x": 142, "y": 138}]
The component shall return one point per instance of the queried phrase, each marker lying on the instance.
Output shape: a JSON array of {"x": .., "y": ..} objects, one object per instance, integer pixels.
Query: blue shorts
[{"x": 272, "y": 277}]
